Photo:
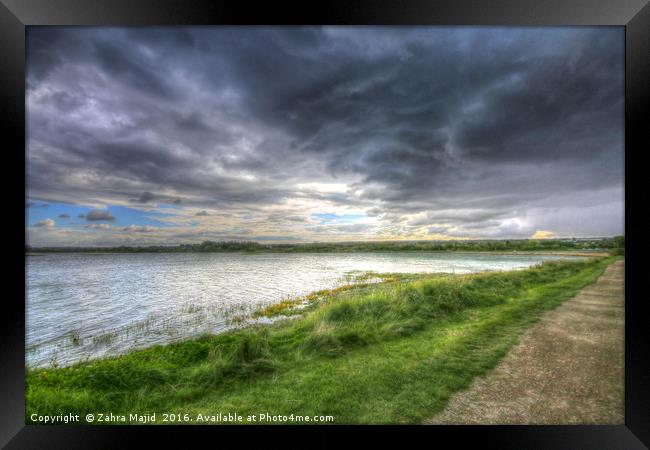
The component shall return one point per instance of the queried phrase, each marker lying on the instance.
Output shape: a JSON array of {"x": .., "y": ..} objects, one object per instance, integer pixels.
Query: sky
[{"x": 140, "y": 136}]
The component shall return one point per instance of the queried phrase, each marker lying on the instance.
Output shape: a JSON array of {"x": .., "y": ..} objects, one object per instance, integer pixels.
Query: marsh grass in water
[
  {"x": 355, "y": 281},
  {"x": 145, "y": 299},
  {"x": 391, "y": 352}
]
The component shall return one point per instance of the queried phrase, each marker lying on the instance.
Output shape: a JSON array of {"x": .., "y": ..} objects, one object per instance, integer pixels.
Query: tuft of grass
[
  {"x": 388, "y": 352},
  {"x": 283, "y": 307},
  {"x": 356, "y": 281},
  {"x": 75, "y": 337}
]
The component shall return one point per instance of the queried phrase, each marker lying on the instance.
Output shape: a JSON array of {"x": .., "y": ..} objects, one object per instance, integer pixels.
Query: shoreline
[
  {"x": 268, "y": 315},
  {"x": 598, "y": 253},
  {"x": 297, "y": 305},
  {"x": 344, "y": 349},
  {"x": 113, "y": 343}
]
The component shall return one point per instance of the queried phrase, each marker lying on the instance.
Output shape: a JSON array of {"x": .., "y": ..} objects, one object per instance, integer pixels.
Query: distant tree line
[{"x": 615, "y": 244}]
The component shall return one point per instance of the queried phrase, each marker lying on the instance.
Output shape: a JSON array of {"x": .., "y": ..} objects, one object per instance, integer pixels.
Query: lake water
[{"x": 82, "y": 306}]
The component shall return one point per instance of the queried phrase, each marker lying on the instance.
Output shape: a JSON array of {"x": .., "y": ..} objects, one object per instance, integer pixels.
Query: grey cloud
[
  {"x": 99, "y": 226},
  {"x": 438, "y": 230},
  {"x": 99, "y": 214},
  {"x": 284, "y": 218},
  {"x": 341, "y": 229},
  {"x": 32, "y": 204},
  {"x": 145, "y": 197},
  {"x": 64, "y": 216},
  {"x": 457, "y": 216},
  {"x": 140, "y": 229}
]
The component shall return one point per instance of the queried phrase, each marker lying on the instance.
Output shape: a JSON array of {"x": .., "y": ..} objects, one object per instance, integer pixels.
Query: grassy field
[{"x": 386, "y": 353}]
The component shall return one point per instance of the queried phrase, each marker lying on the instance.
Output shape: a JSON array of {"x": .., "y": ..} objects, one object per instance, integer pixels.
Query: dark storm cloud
[
  {"x": 53, "y": 47},
  {"x": 98, "y": 214},
  {"x": 453, "y": 125},
  {"x": 574, "y": 101}
]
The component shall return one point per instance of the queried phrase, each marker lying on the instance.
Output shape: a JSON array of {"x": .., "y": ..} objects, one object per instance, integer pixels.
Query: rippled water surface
[{"x": 82, "y": 306}]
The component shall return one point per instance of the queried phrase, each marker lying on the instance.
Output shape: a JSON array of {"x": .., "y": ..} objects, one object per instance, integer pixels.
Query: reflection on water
[{"x": 82, "y": 306}]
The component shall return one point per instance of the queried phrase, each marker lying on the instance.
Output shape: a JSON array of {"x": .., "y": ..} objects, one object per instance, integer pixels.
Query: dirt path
[{"x": 567, "y": 369}]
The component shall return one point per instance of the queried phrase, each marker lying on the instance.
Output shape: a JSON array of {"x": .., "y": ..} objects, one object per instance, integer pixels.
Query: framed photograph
[{"x": 343, "y": 214}]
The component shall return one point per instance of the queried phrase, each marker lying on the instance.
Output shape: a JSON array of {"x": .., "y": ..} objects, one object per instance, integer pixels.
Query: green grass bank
[{"x": 387, "y": 353}]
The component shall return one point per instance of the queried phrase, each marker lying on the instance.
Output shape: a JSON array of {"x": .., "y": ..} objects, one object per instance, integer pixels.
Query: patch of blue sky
[
  {"x": 338, "y": 218},
  {"x": 56, "y": 212},
  {"x": 132, "y": 216},
  {"x": 67, "y": 215}
]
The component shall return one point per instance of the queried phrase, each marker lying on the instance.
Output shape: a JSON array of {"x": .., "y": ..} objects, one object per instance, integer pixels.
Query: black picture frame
[{"x": 634, "y": 15}]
